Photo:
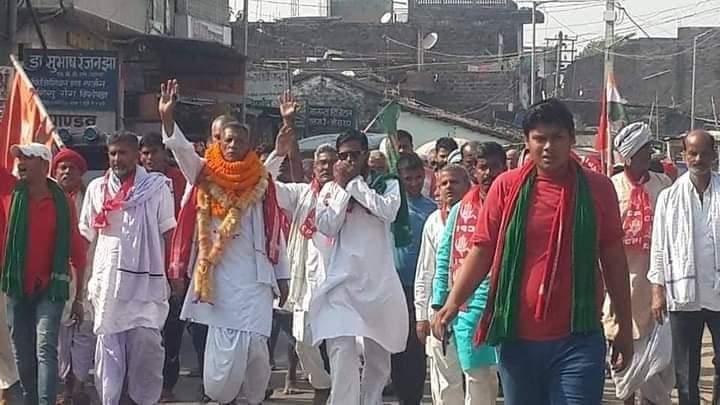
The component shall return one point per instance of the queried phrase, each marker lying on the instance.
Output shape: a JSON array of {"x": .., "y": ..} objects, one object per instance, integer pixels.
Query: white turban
[{"x": 632, "y": 138}]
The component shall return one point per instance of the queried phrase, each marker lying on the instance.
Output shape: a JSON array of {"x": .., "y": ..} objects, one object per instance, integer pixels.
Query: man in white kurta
[
  {"x": 245, "y": 282},
  {"x": 128, "y": 214},
  {"x": 361, "y": 295},
  {"x": 446, "y": 376},
  {"x": 308, "y": 253}
]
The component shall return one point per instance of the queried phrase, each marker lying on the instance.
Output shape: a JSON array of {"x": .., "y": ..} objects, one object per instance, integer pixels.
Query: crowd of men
[{"x": 519, "y": 269}]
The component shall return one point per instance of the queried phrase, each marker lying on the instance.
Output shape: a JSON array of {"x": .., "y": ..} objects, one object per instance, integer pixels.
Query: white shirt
[
  {"x": 244, "y": 279},
  {"x": 113, "y": 314},
  {"x": 361, "y": 295},
  {"x": 431, "y": 237},
  {"x": 704, "y": 244}
]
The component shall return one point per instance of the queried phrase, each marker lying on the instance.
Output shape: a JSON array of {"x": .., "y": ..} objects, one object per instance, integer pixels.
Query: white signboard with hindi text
[{"x": 265, "y": 86}]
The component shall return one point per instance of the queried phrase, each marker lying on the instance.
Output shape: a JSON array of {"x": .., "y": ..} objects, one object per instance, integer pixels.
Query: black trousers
[
  {"x": 687, "y": 332},
  {"x": 409, "y": 367},
  {"x": 172, "y": 340}
]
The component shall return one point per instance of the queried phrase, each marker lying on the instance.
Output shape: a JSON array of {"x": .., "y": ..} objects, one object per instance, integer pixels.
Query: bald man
[{"x": 684, "y": 258}]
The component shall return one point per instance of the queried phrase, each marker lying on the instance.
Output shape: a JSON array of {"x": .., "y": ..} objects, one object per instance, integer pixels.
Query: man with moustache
[
  {"x": 445, "y": 375},
  {"x": 475, "y": 363},
  {"x": 684, "y": 263},
  {"x": 638, "y": 189},
  {"x": 43, "y": 252},
  {"x": 361, "y": 296},
  {"x": 129, "y": 214},
  {"x": 544, "y": 304},
  {"x": 76, "y": 348}
]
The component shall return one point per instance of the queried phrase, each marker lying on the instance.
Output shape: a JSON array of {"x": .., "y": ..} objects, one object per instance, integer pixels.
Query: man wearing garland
[
  {"x": 229, "y": 236},
  {"x": 42, "y": 246},
  {"x": 129, "y": 214},
  {"x": 361, "y": 296},
  {"x": 543, "y": 228},
  {"x": 475, "y": 363}
]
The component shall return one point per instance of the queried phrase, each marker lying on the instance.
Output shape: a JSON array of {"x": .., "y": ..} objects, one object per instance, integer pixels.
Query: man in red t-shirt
[
  {"x": 42, "y": 252},
  {"x": 540, "y": 235}
]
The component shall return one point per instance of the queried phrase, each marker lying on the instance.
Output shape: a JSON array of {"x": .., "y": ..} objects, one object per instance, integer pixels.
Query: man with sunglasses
[{"x": 361, "y": 296}]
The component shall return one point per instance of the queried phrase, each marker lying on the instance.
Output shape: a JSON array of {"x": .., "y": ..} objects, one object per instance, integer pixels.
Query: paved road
[{"x": 189, "y": 386}]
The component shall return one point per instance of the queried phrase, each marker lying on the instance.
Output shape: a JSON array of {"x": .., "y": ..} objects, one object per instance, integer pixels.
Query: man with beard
[
  {"x": 469, "y": 155},
  {"x": 638, "y": 189},
  {"x": 361, "y": 296},
  {"x": 229, "y": 232},
  {"x": 76, "y": 347},
  {"x": 130, "y": 214},
  {"x": 445, "y": 374},
  {"x": 308, "y": 251},
  {"x": 43, "y": 251},
  {"x": 475, "y": 363},
  {"x": 443, "y": 148},
  {"x": 409, "y": 367},
  {"x": 544, "y": 304},
  {"x": 684, "y": 263}
]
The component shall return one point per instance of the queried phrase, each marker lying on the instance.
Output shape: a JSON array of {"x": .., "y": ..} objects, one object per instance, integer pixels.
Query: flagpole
[
  {"x": 374, "y": 120},
  {"x": 20, "y": 71},
  {"x": 609, "y": 39}
]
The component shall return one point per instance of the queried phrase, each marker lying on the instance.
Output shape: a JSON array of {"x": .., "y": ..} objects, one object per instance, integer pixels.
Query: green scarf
[
  {"x": 500, "y": 323},
  {"x": 17, "y": 247},
  {"x": 401, "y": 226}
]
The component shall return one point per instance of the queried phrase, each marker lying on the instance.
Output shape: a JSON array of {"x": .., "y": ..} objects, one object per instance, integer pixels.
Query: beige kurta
[{"x": 638, "y": 263}]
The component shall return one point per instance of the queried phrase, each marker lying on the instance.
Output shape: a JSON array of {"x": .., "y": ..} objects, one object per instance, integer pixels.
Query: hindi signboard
[
  {"x": 6, "y": 74},
  {"x": 326, "y": 119},
  {"x": 265, "y": 86},
  {"x": 71, "y": 80}
]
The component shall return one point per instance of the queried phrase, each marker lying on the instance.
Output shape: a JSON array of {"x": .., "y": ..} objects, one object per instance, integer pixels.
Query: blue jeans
[
  {"x": 567, "y": 371},
  {"x": 34, "y": 328}
]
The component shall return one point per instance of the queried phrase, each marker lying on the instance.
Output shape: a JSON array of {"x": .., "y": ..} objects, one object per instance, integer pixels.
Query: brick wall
[{"x": 649, "y": 66}]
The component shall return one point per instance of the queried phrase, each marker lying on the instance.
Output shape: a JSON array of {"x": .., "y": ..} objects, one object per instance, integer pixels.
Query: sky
[{"x": 578, "y": 18}]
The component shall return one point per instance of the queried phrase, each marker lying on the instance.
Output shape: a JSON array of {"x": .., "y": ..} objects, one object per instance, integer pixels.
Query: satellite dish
[
  {"x": 386, "y": 18},
  {"x": 430, "y": 41}
]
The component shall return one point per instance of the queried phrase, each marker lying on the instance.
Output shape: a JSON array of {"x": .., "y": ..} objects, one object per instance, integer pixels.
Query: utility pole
[
  {"x": 533, "y": 73},
  {"x": 558, "y": 63},
  {"x": 692, "y": 89},
  {"x": 609, "y": 41},
  {"x": 246, "y": 10}
]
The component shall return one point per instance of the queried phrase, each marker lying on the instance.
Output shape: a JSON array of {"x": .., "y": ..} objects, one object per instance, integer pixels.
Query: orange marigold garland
[{"x": 227, "y": 190}]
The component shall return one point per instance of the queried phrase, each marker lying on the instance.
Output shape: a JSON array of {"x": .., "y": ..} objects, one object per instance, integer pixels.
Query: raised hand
[
  {"x": 288, "y": 108},
  {"x": 166, "y": 105}
]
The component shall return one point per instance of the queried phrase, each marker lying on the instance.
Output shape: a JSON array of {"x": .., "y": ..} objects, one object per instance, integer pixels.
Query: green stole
[
  {"x": 16, "y": 248},
  {"x": 499, "y": 323}
]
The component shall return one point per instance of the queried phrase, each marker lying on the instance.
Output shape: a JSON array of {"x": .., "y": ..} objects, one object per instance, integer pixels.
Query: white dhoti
[
  {"x": 76, "y": 350},
  {"x": 345, "y": 360},
  {"x": 236, "y": 362},
  {"x": 8, "y": 369},
  {"x": 446, "y": 378},
  {"x": 135, "y": 356},
  {"x": 310, "y": 358}
]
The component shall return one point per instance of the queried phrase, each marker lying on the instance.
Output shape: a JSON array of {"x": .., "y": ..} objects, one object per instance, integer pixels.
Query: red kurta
[
  {"x": 544, "y": 201},
  {"x": 41, "y": 237}
]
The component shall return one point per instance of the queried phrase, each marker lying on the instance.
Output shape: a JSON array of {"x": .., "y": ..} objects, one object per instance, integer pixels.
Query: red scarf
[
  {"x": 184, "y": 233},
  {"x": 637, "y": 219},
  {"x": 465, "y": 225},
  {"x": 308, "y": 228},
  {"x": 112, "y": 203}
]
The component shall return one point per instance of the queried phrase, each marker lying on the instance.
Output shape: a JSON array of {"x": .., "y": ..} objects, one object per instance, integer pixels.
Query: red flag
[{"x": 24, "y": 119}]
